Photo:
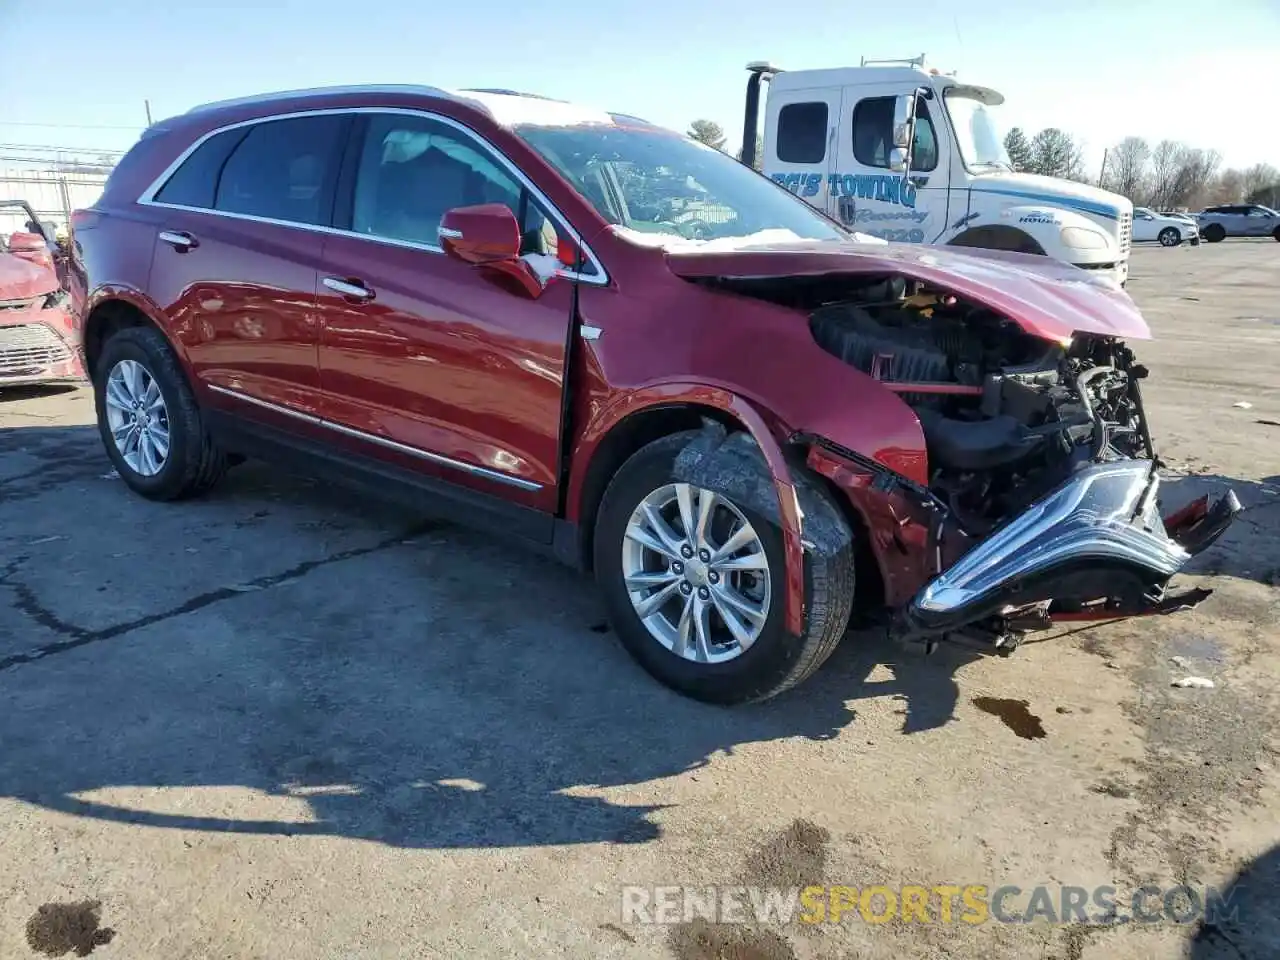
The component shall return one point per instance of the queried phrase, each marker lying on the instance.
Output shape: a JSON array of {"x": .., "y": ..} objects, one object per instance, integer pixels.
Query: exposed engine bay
[{"x": 1007, "y": 416}]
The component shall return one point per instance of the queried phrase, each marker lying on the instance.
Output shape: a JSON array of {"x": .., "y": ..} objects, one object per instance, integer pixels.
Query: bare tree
[
  {"x": 1227, "y": 187},
  {"x": 1055, "y": 153},
  {"x": 1259, "y": 177},
  {"x": 1126, "y": 171},
  {"x": 709, "y": 132}
]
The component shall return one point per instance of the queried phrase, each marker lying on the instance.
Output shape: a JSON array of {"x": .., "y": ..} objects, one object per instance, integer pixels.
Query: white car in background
[{"x": 1168, "y": 230}]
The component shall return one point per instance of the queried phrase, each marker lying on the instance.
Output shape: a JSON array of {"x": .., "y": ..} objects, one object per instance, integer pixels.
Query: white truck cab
[{"x": 902, "y": 152}]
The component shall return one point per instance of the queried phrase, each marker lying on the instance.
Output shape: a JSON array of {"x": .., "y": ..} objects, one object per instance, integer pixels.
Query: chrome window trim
[
  {"x": 147, "y": 198},
  {"x": 436, "y": 458}
]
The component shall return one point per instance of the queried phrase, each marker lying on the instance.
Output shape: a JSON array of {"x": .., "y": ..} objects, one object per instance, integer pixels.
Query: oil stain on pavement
[
  {"x": 57, "y": 929},
  {"x": 1015, "y": 714}
]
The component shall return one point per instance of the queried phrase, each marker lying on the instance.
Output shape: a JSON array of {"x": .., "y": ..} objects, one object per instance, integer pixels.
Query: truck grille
[
  {"x": 29, "y": 348},
  {"x": 1126, "y": 234}
]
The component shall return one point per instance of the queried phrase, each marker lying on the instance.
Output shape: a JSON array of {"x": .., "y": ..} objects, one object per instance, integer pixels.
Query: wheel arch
[
  {"x": 998, "y": 236},
  {"x": 114, "y": 308}
]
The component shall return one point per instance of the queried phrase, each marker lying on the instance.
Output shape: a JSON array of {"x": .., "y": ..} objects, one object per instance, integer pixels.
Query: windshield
[
  {"x": 978, "y": 134},
  {"x": 657, "y": 182}
]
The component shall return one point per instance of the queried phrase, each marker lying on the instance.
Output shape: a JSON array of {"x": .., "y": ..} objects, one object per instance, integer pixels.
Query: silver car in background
[{"x": 1238, "y": 220}]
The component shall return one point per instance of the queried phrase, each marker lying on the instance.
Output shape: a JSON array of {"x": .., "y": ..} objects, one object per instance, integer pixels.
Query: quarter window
[
  {"x": 284, "y": 170},
  {"x": 413, "y": 170},
  {"x": 195, "y": 183},
  {"x": 873, "y": 134},
  {"x": 802, "y": 132}
]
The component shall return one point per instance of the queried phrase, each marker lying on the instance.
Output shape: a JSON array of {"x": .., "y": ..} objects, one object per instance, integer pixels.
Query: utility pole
[
  {"x": 147, "y": 104},
  {"x": 1103, "y": 172}
]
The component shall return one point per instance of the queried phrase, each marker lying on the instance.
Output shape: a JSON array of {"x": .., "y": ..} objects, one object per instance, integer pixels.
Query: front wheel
[
  {"x": 1215, "y": 233},
  {"x": 1170, "y": 237},
  {"x": 1276, "y": 234},
  {"x": 694, "y": 584}
]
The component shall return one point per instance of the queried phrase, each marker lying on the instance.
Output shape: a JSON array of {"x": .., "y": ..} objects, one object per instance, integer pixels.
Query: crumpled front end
[
  {"x": 1094, "y": 548},
  {"x": 38, "y": 342}
]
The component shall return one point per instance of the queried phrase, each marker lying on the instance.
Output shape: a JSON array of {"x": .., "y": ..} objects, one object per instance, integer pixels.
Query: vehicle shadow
[
  {"x": 447, "y": 692},
  {"x": 1249, "y": 926},
  {"x": 35, "y": 391}
]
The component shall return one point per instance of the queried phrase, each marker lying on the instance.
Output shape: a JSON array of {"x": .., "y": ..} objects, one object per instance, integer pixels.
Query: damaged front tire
[{"x": 689, "y": 555}]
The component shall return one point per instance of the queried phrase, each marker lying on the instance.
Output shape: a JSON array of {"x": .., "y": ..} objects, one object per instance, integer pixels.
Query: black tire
[
  {"x": 1276, "y": 234},
  {"x": 1215, "y": 233},
  {"x": 1169, "y": 237},
  {"x": 194, "y": 462},
  {"x": 777, "y": 660}
]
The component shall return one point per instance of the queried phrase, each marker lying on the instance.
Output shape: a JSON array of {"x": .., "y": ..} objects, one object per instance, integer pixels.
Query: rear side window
[
  {"x": 802, "y": 132},
  {"x": 284, "y": 170},
  {"x": 195, "y": 182}
]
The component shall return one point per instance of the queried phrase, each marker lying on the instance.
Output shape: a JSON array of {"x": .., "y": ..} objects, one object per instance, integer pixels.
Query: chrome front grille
[
  {"x": 30, "y": 348},
  {"x": 1126, "y": 234}
]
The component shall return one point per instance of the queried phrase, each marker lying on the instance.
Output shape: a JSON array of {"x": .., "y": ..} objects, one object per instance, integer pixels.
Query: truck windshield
[
  {"x": 977, "y": 133},
  {"x": 655, "y": 181}
]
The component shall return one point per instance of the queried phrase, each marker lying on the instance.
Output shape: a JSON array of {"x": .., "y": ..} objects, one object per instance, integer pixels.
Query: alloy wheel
[
  {"x": 696, "y": 573},
  {"x": 137, "y": 417}
]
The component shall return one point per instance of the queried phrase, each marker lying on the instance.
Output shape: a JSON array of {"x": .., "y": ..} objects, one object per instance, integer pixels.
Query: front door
[
  {"x": 426, "y": 361},
  {"x": 874, "y": 199}
]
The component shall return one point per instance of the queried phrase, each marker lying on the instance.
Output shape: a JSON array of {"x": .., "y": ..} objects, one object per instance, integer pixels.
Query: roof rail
[
  {"x": 911, "y": 62},
  {"x": 508, "y": 93},
  {"x": 413, "y": 88}
]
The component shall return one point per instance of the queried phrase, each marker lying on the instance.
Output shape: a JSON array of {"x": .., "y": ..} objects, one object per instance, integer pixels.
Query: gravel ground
[{"x": 284, "y": 721}]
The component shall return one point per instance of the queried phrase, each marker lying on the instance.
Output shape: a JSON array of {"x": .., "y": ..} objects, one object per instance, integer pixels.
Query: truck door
[
  {"x": 799, "y": 141},
  {"x": 870, "y": 197}
]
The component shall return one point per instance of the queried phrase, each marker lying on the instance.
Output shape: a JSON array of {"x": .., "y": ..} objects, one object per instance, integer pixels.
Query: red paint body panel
[
  {"x": 21, "y": 279},
  {"x": 445, "y": 360},
  {"x": 1045, "y": 297},
  {"x": 38, "y": 343}
]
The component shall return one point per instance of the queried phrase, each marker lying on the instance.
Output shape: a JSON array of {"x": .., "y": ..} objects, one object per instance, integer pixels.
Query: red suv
[{"x": 597, "y": 335}]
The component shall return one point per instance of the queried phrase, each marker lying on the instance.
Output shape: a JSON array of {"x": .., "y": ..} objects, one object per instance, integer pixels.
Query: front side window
[
  {"x": 873, "y": 134},
  {"x": 654, "y": 181},
  {"x": 412, "y": 170},
  {"x": 802, "y": 132},
  {"x": 284, "y": 170}
]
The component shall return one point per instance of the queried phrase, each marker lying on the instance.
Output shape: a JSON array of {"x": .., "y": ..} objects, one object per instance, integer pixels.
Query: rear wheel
[
  {"x": 1215, "y": 233},
  {"x": 149, "y": 420},
  {"x": 1276, "y": 233},
  {"x": 1169, "y": 237},
  {"x": 695, "y": 585}
]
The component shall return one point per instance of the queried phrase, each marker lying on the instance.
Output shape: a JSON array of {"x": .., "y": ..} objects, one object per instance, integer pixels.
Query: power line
[{"x": 69, "y": 126}]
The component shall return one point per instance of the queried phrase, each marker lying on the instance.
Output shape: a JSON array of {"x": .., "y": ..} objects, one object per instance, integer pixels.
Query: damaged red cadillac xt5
[{"x": 597, "y": 335}]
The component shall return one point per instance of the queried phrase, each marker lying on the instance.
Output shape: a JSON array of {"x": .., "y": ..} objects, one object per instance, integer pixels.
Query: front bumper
[
  {"x": 1095, "y": 545},
  {"x": 37, "y": 346}
]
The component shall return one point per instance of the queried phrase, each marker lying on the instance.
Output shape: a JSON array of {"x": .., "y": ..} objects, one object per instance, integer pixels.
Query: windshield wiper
[{"x": 987, "y": 164}]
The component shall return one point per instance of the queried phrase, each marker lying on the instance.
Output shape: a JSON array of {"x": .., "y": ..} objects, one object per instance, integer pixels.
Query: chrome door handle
[
  {"x": 179, "y": 240},
  {"x": 357, "y": 291}
]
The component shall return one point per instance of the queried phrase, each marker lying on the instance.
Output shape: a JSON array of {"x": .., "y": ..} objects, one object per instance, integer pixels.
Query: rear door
[
  {"x": 432, "y": 365},
  {"x": 237, "y": 258},
  {"x": 904, "y": 208},
  {"x": 799, "y": 142}
]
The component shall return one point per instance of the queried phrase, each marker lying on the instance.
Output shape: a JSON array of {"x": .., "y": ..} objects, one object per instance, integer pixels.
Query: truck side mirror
[{"x": 904, "y": 119}]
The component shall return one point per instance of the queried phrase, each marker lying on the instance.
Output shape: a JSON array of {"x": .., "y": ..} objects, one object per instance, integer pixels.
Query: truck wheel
[
  {"x": 1169, "y": 237},
  {"x": 694, "y": 585},
  {"x": 1214, "y": 233},
  {"x": 149, "y": 420}
]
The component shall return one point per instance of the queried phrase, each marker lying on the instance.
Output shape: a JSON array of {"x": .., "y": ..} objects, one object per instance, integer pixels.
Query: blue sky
[{"x": 1193, "y": 71}]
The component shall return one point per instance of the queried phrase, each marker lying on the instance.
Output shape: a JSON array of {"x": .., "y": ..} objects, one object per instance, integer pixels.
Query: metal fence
[{"x": 53, "y": 194}]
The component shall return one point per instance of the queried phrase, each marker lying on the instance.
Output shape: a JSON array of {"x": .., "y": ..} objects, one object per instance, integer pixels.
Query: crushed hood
[
  {"x": 1046, "y": 298},
  {"x": 22, "y": 280}
]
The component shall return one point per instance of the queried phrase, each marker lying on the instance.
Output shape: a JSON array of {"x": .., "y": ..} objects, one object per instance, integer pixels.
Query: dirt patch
[
  {"x": 57, "y": 929},
  {"x": 796, "y": 857},
  {"x": 1015, "y": 714},
  {"x": 701, "y": 940}
]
